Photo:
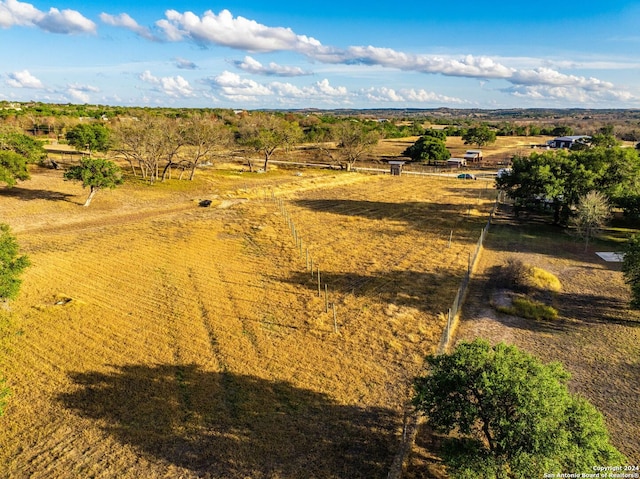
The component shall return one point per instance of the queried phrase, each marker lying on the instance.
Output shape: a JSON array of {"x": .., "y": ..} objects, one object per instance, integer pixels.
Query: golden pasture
[{"x": 155, "y": 338}]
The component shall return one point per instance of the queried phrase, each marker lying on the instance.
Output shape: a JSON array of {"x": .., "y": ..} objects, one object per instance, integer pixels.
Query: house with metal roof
[{"x": 567, "y": 141}]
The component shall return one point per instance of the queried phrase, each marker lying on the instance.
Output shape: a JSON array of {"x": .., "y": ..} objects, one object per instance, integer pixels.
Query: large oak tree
[{"x": 512, "y": 415}]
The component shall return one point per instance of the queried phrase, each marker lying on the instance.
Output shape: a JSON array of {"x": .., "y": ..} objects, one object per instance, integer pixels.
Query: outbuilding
[
  {"x": 567, "y": 141},
  {"x": 396, "y": 167},
  {"x": 473, "y": 156},
  {"x": 456, "y": 162}
]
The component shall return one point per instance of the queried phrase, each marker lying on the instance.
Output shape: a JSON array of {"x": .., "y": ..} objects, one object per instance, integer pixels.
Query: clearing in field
[{"x": 155, "y": 338}]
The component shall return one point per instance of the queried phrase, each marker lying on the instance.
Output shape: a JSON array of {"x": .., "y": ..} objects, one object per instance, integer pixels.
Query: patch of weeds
[
  {"x": 524, "y": 278},
  {"x": 541, "y": 279},
  {"x": 529, "y": 309}
]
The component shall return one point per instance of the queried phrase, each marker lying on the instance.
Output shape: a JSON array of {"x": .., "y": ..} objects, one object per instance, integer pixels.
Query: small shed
[
  {"x": 456, "y": 162},
  {"x": 396, "y": 167},
  {"x": 474, "y": 156}
]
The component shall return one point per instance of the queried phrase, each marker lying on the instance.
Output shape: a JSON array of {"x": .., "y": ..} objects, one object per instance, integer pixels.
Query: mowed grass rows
[{"x": 191, "y": 342}]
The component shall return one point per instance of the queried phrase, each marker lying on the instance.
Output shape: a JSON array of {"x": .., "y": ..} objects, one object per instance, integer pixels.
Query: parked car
[
  {"x": 503, "y": 172},
  {"x": 467, "y": 176}
]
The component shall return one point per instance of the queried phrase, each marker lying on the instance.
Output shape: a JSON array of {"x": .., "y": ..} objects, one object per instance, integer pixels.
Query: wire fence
[
  {"x": 453, "y": 314},
  {"x": 412, "y": 419}
]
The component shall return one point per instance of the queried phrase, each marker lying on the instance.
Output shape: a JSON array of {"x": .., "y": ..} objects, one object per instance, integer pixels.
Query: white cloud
[
  {"x": 251, "y": 65},
  {"x": 407, "y": 95},
  {"x": 15, "y": 13},
  {"x": 547, "y": 76},
  {"x": 325, "y": 88},
  {"x": 175, "y": 87},
  {"x": 234, "y": 32},
  {"x": 24, "y": 79},
  {"x": 234, "y": 87},
  {"x": 125, "y": 21},
  {"x": 571, "y": 94},
  {"x": 81, "y": 93}
]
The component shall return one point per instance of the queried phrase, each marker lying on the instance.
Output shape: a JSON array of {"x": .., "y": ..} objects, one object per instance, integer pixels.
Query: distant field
[{"x": 154, "y": 338}]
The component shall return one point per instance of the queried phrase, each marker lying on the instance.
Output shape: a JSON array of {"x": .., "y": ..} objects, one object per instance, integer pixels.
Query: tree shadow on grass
[
  {"x": 403, "y": 288},
  {"x": 28, "y": 194},
  {"x": 596, "y": 308},
  {"x": 424, "y": 216},
  {"x": 234, "y": 426}
]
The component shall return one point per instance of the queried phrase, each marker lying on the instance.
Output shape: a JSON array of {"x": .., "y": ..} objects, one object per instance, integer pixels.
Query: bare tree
[
  {"x": 149, "y": 143},
  {"x": 352, "y": 141},
  {"x": 592, "y": 212},
  {"x": 265, "y": 133},
  {"x": 204, "y": 136}
]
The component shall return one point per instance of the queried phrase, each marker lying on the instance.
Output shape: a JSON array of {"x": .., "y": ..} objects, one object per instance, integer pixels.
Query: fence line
[
  {"x": 412, "y": 419},
  {"x": 453, "y": 314},
  {"x": 306, "y": 258}
]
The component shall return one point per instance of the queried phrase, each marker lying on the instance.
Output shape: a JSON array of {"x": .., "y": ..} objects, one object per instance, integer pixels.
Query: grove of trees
[
  {"x": 559, "y": 178},
  {"x": 512, "y": 416}
]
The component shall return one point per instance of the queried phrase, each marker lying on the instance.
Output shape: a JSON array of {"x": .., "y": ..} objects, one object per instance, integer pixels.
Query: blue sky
[{"x": 330, "y": 54}]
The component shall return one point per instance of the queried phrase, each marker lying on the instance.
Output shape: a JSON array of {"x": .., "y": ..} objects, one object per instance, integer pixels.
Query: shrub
[{"x": 529, "y": 309}]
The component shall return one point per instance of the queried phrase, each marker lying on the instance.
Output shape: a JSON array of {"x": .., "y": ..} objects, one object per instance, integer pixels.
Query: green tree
[
  {"x": 479, "y": 135},
  {"x": 24, "y": 145},
  {"x": 631, "y": 269},
  {"x": 557, "y": 178},
  {"x": 592, "y": 212},
  {"x": 93, "y": 137},
  {"x": 13, "y": 167},
  {"x": 562, "y": 131},
  {"x": 96, "y": 173},
  {"x": 12, "y": 264},
  {"x": 513, "y": 415},
  {"x": 428, "y": 149}
]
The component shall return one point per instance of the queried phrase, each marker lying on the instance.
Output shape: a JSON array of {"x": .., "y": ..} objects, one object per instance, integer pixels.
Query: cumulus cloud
[
  {"x": 81, "y": 93},
  {"x": 24, "y": 79},
  {"x": 175, "y": 87},
  {"x": 407, "y": 95},
  {"x": 569, "y": 93},
  {"x": 234, "y": 32},
  {"x": 251, "y": 65},
  {"x": 234, "y": 87},
  {"x": 527, "y": 76},
  {"x": 124, "y": 20},
  {"x": 15, "y": 13}
]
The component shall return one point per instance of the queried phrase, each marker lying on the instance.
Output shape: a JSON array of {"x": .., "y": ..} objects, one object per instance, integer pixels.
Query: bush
[
  {"x": 524, "y": 278},
  {"x": 530, "y": 309}
]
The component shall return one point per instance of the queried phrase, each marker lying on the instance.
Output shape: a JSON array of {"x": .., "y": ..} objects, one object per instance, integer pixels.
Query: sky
[{"x": 326, "y": 54}]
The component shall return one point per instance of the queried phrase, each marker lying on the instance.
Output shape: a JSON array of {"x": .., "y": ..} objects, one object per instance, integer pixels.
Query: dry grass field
[{"x": 155, "y": 338}]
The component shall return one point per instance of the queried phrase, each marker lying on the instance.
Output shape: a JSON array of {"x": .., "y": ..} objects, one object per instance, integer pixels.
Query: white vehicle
[{"x": 503, "y": 171}]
